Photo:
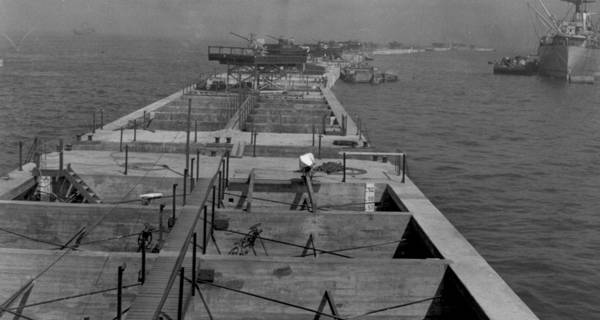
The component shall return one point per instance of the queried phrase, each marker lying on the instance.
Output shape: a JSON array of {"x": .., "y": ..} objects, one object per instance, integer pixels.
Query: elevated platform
[{"x": 249, "y": 56}]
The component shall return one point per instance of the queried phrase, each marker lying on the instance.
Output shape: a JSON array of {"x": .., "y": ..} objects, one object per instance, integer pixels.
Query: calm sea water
[{"x": 512, "y": 161}]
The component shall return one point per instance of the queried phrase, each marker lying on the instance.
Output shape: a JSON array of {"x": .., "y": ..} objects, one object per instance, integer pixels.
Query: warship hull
[{"x": 562, "y": 61}]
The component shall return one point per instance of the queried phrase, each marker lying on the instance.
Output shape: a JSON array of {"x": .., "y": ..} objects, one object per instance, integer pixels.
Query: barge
[{"x": 243, "y": 203}]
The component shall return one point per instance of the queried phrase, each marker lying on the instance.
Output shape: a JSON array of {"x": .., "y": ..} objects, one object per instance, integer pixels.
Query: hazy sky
[{"x": 497, "y": 23}]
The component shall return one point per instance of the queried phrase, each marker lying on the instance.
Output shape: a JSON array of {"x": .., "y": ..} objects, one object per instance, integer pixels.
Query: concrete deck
[{"x": 367, "y": 276}]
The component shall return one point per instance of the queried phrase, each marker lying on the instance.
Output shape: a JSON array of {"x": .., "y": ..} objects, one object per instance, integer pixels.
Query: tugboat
[
  {"x": 518, "y": 65},
  {"x": 572, "y": 47},
  {"x": 358, "y": 73}
]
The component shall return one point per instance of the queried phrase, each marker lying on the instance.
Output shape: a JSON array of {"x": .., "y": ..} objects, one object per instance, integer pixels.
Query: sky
[{"x": 493, "y": 23}]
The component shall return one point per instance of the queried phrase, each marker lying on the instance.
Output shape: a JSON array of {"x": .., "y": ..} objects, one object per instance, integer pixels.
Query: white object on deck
[
  {"x": 147, "y": 197},
  {"x": 307, "y": 160}
]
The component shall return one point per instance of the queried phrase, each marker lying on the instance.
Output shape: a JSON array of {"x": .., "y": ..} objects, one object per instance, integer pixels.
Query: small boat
[
  {"x": 357, "y": 73},
  {"x": 518, "y": 65}
]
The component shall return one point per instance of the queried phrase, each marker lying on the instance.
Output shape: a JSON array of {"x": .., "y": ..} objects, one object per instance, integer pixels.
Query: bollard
[
  {"x": 185, "y": 175},
  {"x": 126, "y": 158},
  {"x": 101, "y": 118},
  {"x": 134, "y": 129},
  {"x": 121, "y": 141},
  {"x": 344, "y": 165},
  {"x": 180, "y": 300},
  {"x": 20, "y": 155},
  {"x": 119, "y": 291}
]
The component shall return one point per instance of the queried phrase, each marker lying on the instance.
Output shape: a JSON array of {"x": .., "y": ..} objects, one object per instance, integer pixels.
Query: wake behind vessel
[{"x": 571, "y": 48}]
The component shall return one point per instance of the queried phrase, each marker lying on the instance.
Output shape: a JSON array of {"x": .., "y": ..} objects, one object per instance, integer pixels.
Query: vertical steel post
[
  {"x": 192, "y": 174},
  {"x": 227, "y": 171},
  {"x": 180, "y": 300},
  {"x": 60, "y": 157},
  {"x": 142, "y": 277},
  {"x": 187, "y": 136},
  {"x": 126, "y": 158},
  {"x": 174, "y": 202},
  {"x": 214, "y": 198},
  {"x": 197, "y": 164},
  {"x": 119, "y": 291},
  {"x": 403, "y": 167},
  {"x": 319, "y": 151},
  {"x": 219, "y": 190},
  {"x": 20, "y": 155},
  {"x": 254, "y": 145},
  {"x": 313, "y": 133},
  {"x": 194, "y": 244},
  {"x": 344, "y": 175},
  {"x": 185, "y": 175},
  {"x": 204, "y": 240},
  {"x": 160, "y": 223}
]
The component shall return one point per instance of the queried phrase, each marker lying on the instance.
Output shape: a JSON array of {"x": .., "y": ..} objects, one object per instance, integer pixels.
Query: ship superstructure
[{"x": 571, "y": 47}]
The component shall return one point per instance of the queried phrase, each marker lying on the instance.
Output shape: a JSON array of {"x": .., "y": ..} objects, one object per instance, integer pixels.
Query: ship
[
  {"x": 279, "y": 207},
  {"x": 571, "y": 48},
  {"x": 518, "y": 65}
]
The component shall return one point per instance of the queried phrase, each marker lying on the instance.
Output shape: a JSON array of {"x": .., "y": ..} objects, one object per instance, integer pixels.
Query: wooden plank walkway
[{"x": 159, "y": 277}]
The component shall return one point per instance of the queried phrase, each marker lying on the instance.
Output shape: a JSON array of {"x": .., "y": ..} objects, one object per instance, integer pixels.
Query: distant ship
[
  {"x": 572, "y": 47},
  {"x": 84, "y": 29}
]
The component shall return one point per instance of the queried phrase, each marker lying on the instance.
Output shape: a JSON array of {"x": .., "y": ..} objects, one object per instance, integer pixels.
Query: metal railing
[
  {"x": 218, "y": 181},
  {"x": 239, "y": 118},
  {"x": 399, "y": 161},
  {"x": 231, "y": 50}
]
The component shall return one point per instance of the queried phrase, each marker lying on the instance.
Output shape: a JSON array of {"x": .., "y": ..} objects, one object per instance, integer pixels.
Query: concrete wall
[
  {"x": 371, "y": 236},
  {"x": 356, "y": 285},
  {"x": 59, "y": 222},
  {"x": 76, "y": 273}
]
